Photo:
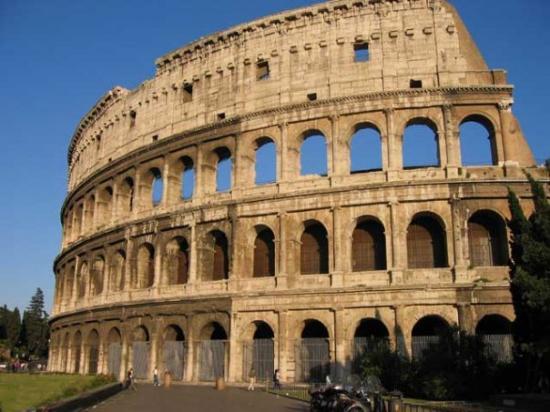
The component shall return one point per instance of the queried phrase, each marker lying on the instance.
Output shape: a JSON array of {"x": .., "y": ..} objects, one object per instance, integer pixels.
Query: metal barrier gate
[
  {"x": 422, "y": 343},
  {"x": 114, "y": 359},
  {"x": 93, "y": 359},
  {"x": 174, "y": 358},
  {"x": 312, "y": 360},
  {"x": 499, "y": 347},
  {"x": 258, "y": 354},
  {"x": 211, "y": 359},
  {"x": 140, "y": 359}
]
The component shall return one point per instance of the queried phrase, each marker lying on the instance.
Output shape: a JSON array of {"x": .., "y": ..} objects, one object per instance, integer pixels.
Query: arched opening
[
  {"x": 426, "y": 332},
  {"x": 187, "y": 178},
  {"x": 496, "y": 333},
  {"x": 370, "y": 335},
  {"x": 488, "y": 240},
  {"x": 368, "y": 246},
  {"x": 65, "y": 354},
  {"x": 314, "y": 249},
  {"x": 114, "y": 354},
  {"x": 258, "y": 359},
  {"x": 264, "y": 253},
  {"x": 105, "y": 205},
  {"x": 177, "y": 261},
  {"x": 69, "y": 283},
  {"x": 426, "y": 243},
  {"x": 93, "y": 352},
  {"x": 77, "y": 351},
  {"x": 477, "y": 141},
  {"x": 78, "y": 220},
  {"x": 89, "y": 214},
  {"x": 157, "y": 186},
  {"x": 366, "y": 149},
  {"x": 98, "y": 269},
  {"x": 212, "y": 352},
  {"x": 313, "y": 154},
  {"x": 126, "y": 196},
  {"x": 224, "y": 169},
  {"x": 145, "y": 266},
  {"x": 314, "y": 360},
  {"x": 266, "y": 161},
  {"x": 140, "y": 352},
  {"x": 216, "y": 262},
  {"x": 118, "y": 271},
  {"x": 420, "y": 144},
  {"x": 82, "y": 279},
  {"x": 174, "y": 351}
]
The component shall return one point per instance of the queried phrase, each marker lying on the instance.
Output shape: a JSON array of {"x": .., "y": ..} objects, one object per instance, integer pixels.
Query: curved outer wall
[{"x": 213, "y": 98}]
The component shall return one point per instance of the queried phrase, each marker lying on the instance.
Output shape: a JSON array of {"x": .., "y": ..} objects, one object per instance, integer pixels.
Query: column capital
[{"x": 506, "y": 105}]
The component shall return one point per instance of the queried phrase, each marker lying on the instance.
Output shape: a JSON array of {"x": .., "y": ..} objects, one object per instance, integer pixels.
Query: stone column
[
  {"x": 153, "y": 355},
  {"x": 340, "y": 364},
  {"x": 398, "y": 244},
  {"x": 282, "y": 247},
  {"x": 337, "y": 165},
  {"x": 285, "y": 345},
  {"x": 452, "y": 142},
  {"x": 466, "y": 318},
  {"x": 158, "y": 263},
  {"x": 505, "y": 143},
  {"x": 233, "y": 360},
  {"x": 124, "y": 357},
  {"x": 402, "y": 340},
  {"x": 75, "y": 281},
  {"x": 337, "y": 268},
  {"x": 165, "y": 201},
  {"x": 129, "y": 263},
  {"x": 190, "y": 352},
  {"x": 460, "y": 266},
  {"x": 285, "y": 174},
  {"x": 394, "y": 146},
  {"x": 194, "y": 256},
  {"x": 199, "y": 178}
]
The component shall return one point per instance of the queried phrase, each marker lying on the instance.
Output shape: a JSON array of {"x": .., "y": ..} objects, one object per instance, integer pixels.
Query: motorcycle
[{"x": 337, "y": 398}]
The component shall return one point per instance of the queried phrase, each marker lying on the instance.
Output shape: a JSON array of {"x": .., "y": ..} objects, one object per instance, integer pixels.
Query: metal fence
[
  {"x": 499, "y": 347},
  {"x": 93, "y": 359},
  {"x": 140, "y": 359},
  {"x": 113, "y": 359},
  {"x": 258, "y": 355},
  {"x": 421, "y": 343},
  {"x": 364, "y": 345},
  {"x": 174, "y": 358},
  {"x": 312, "y": 359},
  {"x": 211, "y": 359}
]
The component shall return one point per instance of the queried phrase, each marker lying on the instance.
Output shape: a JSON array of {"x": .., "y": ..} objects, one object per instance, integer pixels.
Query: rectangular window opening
[
  {"x": 262, "y": 70},
  {"x": 155, "y": 137},
  {"x": 416, "y": 84},
  {"x": 312, "y": 97},
  {"x": 133, "y": 116},
  {"x": 187, "y": 91},
  {"x": 221, "y": 116},
  {"x": 361, "y": 52}
]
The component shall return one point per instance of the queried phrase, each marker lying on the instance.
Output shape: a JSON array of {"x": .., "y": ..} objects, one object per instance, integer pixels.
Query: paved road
[{"x": 197, "y": 398}]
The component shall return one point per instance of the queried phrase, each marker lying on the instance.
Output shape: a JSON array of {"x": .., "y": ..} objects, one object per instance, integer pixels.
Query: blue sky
[{"x": 59, "y": 56}]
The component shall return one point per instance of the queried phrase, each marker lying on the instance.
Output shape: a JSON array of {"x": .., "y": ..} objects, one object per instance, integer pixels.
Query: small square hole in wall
[
  {"x": 155, "y": 137},
  {"x": 361, "y": 51},
  {"x": 312, "y": 97},
  {"x": 221, "y": 116},
  {"x": 262, "y": 70},
  {"x": 187, "y": 91},
  {"x": 416, "y": 84}
]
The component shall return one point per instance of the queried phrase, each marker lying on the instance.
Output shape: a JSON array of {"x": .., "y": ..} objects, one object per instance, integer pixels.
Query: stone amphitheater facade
[{"x": 296, "y": 273}]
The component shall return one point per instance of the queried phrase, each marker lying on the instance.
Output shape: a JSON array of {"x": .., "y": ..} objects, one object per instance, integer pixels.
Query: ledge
[{"x": 84, "y": 400}]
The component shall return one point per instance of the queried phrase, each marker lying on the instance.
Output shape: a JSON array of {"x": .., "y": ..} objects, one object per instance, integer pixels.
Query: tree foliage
[{"x": 530, "y": 285}]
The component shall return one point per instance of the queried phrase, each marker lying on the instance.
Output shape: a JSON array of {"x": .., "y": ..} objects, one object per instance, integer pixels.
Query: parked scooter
[{"x": 337, "y": 398}]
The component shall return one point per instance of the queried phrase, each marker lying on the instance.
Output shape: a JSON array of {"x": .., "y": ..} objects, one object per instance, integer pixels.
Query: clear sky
[{"x": 59, "y": 56}]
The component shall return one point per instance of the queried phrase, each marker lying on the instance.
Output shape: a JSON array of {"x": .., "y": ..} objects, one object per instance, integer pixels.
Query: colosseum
[{"x": 288, "y": 193}]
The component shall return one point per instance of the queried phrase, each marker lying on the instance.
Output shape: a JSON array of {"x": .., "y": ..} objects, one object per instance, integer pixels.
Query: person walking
[
  {"x": 156, "y": 377},
  {"x": 132, "y": 384},
  {"x": 252, "y": 379},
  {"x": 276, "y": 380}
]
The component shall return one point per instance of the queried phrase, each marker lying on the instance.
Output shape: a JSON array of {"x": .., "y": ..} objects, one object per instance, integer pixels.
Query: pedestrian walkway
[{"x": 199, "y": 399}]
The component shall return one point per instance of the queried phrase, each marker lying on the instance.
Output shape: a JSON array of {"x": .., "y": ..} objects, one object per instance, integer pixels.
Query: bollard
[
  {"x": 167, "y": 379},
  {"x": 220, "y": 384}
]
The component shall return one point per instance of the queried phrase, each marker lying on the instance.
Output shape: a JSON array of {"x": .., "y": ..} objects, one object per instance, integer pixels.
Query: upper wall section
[{"x": 284, "y": 59}]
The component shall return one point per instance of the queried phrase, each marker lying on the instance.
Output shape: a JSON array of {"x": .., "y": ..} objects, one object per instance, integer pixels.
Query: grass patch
[{"x": 22, "y": 391}]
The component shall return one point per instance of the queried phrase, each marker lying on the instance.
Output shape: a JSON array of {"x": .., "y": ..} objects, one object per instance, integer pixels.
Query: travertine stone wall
[{"x": 121, "y": 250}]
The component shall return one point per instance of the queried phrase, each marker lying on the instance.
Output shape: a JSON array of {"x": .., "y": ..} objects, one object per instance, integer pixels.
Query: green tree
[
  {"x": 35, "y": 330},
  {"x": 530, "y": 285},
  {"x": 13, "y": 328}
]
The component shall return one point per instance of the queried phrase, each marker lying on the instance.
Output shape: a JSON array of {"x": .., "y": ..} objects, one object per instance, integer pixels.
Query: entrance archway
[
  {"x": 426, "y": 332},
  {"x": 313, "y": 363},
  {"x": 114, "y": 353},
  {"x": 259, "y": 353},
  {"x": 174, "y": 352},
  {"x": 212, "y": 349},
  {"x": 140, "y": 352},
  {"x": 496, "y": 333}
]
